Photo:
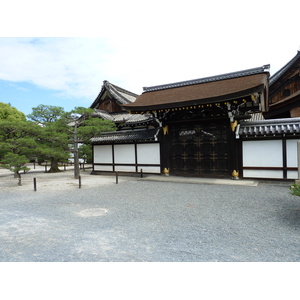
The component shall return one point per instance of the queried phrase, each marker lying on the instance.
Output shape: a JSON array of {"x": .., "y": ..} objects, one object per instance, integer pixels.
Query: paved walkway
[{"x": 177, "y": 179}]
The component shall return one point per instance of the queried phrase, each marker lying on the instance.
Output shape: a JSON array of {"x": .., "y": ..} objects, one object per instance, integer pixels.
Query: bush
[{"x": 295, "y": 189}]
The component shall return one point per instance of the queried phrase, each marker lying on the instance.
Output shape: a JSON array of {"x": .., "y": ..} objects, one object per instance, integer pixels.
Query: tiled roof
[
  {"x": 231, "y": 75},
  {"x": 255, "y": 117},
  {"x": 280, "y": 72},
  {"x": 137, "y": 135},
  {"x": 121, "y": 95},
  {"x": 270, "y": 127},
  {"x": 123, "y": 117},
  {"x": 202, "y": 91}
]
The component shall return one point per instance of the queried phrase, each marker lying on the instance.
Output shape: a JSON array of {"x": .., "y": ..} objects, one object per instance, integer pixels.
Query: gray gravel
[{"x": 137, "y": 221}]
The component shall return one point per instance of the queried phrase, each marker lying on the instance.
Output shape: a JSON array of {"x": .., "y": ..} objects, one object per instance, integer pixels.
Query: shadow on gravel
[{"x": 290, "y": 215}]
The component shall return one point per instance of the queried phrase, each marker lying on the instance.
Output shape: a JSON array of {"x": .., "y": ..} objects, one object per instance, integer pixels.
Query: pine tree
[{"x": 63, "y": 132}]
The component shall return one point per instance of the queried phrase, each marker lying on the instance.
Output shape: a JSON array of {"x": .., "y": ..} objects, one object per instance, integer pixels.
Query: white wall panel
[
  {"x": 292, "y": 174},
  {"x": 103, "y": 154},
  {"x": 124, "y": 154},
  {"x": 148, "y": 153},
  {"x": 262, "y": 153},
  {"x": 125, "y": 168},
  {"x": 291, "y": 153},
  {"x": 148, "y": 169},
  {"x": 103, "y": 168},
  {"x": 272, "y": 174}
]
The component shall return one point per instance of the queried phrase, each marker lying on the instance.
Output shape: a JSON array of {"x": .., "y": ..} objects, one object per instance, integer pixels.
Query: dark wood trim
[
  {"x": 93, "y": 157},
  {"x": 284, "y": 168},
  {"x": 232, "y": 150},
  {"x": 271, "y": 168},
  {"x": 135, "y": 156},
  {"x": 214, "y": 119},
  {"x": 113, "y": 156},
  {"x": 240, "y": 157},
  {"x": 263, "y": 168},
  {"x": 284, "y": 158},
  {"x": 136, "y": 165},
  {"x": 270, "y": 137},
  {"x": 126, "y": 143},
  {"x": 132, "y": 165}
]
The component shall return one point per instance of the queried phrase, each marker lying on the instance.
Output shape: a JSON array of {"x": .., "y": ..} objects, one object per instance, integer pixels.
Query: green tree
[
  {"x": 83, "y": 126},
  {"x": 18, "y": 140},
  {"x": 9, "y": 113},
  {"x": 19, "y": 137},
  {"x": 15, "y": 163},
  {"x": 54, "y": 135},
  {"x": 86, "y": 152},
  {"x": 63, "y": 132}
]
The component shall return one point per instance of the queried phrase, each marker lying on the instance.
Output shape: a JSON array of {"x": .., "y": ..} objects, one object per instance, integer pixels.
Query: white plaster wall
[
  {"x": 125, "y": 168},
  {"x": 102, "y": 154},
  {"x": 124, "y": 154},
  {"x": 148, "y": 169},
  {"x": 262, "y": 153},
  {"x": 274, "y": 174},
  {"x": 291, "y": 153},
  {"x": 148, "y": 153},
  {"x": 103, "y": 168},
  {"x": 292, "y": 174}
]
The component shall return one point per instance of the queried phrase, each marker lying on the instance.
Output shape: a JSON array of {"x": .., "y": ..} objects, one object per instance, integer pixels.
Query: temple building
[
  {"x": 284, "y": 91},
  {"x": 128, "y": 149},
  {"x": 199, "y": 119},
  {"x": 269, "y": 143},
  {"x": 242, "y": 124}
]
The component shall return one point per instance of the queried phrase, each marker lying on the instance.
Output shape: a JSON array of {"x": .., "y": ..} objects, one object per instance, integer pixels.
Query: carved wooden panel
[{"x": 200, "y": 149}]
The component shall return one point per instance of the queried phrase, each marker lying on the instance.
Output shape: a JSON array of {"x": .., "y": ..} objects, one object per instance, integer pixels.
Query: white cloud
[
  {"x": 137, "y": 43},
  {"x": 69, "y": 65}
]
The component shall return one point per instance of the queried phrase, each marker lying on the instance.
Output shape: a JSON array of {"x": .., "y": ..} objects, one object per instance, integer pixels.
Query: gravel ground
[{"x": 139, "y": 220}]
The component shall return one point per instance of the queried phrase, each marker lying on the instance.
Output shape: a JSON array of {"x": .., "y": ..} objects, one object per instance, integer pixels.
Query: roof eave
[
  {"x": 221, "y": 77},
  {"x": 275, "y": 77},
  {"x": 113, "y": 91},
  {"x": 223, "y": 98}
]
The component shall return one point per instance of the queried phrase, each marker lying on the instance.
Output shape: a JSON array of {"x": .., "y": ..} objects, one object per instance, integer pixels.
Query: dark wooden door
[{"x": 200, "y": 149}]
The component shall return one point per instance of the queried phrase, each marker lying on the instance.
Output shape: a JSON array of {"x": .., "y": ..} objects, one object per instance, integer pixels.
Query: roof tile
[
  {"x": 269, "y": 127},
  {"x": 129, "y": 136}
]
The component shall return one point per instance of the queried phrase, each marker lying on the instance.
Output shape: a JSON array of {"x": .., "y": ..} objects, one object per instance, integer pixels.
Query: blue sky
[
  {"x": 24, "y": 96},
  {"x": 61, "y": 57}
]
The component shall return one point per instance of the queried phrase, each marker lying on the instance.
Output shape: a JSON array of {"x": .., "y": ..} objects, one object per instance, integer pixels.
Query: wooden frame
[
  {"x": 134, "y": 166},
  {"x": 284, "y": 169}
]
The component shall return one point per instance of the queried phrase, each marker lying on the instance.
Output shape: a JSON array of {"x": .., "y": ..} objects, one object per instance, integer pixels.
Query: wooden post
[
  {"x": 79, "y": 178},
  {"x": 117, "y": 179},
  {"x": 141, "y": 173},
  {"x": 34, "y": 184}
]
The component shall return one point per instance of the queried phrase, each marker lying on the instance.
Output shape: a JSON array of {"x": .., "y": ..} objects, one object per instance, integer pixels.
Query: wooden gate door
[{"x": 200, "y": 149}]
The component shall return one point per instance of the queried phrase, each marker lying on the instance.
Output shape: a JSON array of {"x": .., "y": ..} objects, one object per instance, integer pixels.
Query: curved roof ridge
[
  {"x": 280, "y": 72},
  {"x": 271, "y": 121},
  {"x": 116, "y": 92},
  {"x": 120, "y": 89},
  {"x": 121, "y": 95},
  {"x": 231, "y": 75}
]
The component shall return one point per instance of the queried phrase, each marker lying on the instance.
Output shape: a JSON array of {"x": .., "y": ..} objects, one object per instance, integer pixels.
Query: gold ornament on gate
[{"x": 235, "y": 174}]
